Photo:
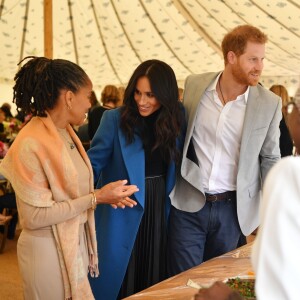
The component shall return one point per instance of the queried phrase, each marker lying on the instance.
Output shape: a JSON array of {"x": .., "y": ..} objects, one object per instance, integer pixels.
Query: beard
[{"x": 245, "y": 78}]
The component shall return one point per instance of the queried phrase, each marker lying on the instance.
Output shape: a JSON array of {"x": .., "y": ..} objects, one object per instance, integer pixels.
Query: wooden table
[{"x": 231, "y": 264}]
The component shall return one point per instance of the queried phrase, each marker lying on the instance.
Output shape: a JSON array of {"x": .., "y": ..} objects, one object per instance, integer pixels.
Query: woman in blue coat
[{"x": 140, "y": 142}]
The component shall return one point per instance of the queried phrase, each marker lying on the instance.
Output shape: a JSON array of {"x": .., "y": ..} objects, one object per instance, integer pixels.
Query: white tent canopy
[{"x": 109, "y": 38}]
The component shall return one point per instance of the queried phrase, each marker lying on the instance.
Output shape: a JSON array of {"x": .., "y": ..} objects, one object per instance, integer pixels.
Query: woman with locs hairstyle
[
  {"x": 53, "y": 181},
  {"x": 140, "y": 141}
]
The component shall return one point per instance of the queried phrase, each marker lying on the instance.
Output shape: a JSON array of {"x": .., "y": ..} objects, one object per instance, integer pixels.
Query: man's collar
[{"x": 213, "y": 87}]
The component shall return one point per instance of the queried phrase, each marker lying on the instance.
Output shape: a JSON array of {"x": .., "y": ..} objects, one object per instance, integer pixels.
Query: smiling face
[
  {"x": 80, "y": 104},
  {"x": 247, "y": 67},
  {"x": 145, "y": 100}
]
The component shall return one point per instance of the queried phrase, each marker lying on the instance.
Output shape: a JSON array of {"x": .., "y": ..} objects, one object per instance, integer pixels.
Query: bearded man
[{"x": 231, "y": 143}]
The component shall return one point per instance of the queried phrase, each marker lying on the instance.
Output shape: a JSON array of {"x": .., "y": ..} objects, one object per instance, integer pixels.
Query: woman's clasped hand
[{"x": 117, "y": 194}]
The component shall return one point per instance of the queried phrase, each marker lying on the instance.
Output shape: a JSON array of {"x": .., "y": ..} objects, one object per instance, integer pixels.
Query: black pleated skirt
[{"x": 147, "y": 265}]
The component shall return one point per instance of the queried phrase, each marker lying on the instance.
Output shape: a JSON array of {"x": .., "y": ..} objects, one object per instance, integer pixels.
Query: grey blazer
[{"x": 259, "y": 152}]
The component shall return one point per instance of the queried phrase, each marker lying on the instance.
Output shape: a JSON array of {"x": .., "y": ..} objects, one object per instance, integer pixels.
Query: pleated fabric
[{"x": 147, "y": 264}]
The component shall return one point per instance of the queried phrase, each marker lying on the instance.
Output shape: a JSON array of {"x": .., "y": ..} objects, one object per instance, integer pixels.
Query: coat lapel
[
  {"x": 252, "y": 109},
  {"x": 134, "y": 159},
  {"x": 192, "y": 100},
  {"x": 196, "y": 86}
]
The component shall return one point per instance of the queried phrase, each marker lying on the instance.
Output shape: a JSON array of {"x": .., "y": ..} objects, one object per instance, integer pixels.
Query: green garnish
[{"x": 245, "y": 287}]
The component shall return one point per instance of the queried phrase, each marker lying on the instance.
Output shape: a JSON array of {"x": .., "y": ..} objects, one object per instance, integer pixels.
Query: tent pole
[{"x": 48, "y": 29}]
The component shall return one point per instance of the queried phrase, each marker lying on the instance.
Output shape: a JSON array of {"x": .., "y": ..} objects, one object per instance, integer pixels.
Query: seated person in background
[
  {"x": 285, "y": 141},
  {"x": 6, "y": 107},
  {"x": 8, "y": 201},
  {"x": 275, "y": 256},
  {"x": 110, "y": 98},
  {"x": 3, "y": 218},
  {"x": 2, "y": 131}
]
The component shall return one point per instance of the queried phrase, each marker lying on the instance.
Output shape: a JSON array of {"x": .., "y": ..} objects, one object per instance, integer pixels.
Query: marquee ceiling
[{"x": 109, "y": 38}]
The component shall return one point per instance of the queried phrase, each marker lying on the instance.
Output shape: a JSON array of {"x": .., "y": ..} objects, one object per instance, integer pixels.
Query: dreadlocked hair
[{"x": 39, "y": 82}]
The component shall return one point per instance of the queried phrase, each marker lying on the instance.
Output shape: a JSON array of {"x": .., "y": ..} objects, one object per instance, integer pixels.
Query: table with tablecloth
[{"x": 232, "y": 264}]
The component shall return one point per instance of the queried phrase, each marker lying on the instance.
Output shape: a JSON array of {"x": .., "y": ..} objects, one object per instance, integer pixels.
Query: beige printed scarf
[{"x": 41, "y": 171}]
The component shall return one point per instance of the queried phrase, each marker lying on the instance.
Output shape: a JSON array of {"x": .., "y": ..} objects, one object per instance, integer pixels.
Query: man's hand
[{"x": 117, "y": 194}]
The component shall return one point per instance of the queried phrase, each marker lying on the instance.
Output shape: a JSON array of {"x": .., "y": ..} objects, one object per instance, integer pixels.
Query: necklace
[
  {"x": 223, "y": 99},
  {"x": 66, "y": 136}
]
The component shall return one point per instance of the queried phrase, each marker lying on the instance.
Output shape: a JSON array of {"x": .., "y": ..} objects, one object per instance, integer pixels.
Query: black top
[
  {"x": 94, "y": 120},
  {"x": 285, "y": 141},
  {"x": 154, "y": 162}
]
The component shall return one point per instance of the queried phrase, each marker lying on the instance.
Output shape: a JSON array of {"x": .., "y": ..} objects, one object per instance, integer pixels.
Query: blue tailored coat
[{"x": 112, "y": 159}]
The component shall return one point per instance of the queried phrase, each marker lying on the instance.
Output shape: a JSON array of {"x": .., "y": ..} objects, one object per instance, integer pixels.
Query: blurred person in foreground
[
  {"x": 140, "y": 141},
  {"x": 275, "y": 253},
  {"x": 232, "y": 141},
  {"x": 285, "y": 142},
  {"x": 53, "y": 181}
]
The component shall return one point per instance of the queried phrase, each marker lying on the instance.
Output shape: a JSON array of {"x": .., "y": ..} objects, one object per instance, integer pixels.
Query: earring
[{"x": 69, "y": 107}]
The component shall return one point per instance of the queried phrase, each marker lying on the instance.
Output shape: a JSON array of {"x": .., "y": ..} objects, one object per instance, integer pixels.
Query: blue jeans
[{"x": 197, "y": 237}]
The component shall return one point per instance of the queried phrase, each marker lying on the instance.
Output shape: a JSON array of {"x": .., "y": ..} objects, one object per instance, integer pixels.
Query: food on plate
[{"x": 244, "y": 286}]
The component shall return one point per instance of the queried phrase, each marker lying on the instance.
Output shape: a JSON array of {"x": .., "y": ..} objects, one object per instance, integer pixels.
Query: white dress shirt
[
  {"x": 217, "y": 139},
  {"x": 275, "y": 256}
]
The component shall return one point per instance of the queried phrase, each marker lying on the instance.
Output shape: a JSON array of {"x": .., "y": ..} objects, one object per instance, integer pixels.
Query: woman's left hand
[
  {"x": 124, "y": 202},
  {"x": 116, "y": 194}
]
